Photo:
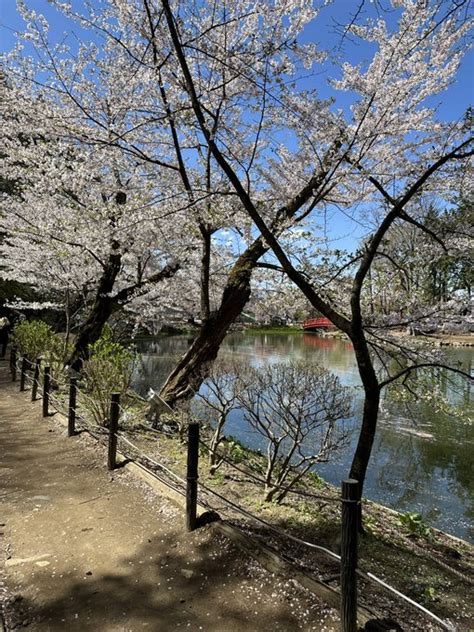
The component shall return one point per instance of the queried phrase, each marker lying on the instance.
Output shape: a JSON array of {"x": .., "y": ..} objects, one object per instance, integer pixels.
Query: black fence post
[
  {"x": 349, "y": 534},
  {"x": 192, "y": 476},
  {"x": 13, "y": 363},
  {"x": 24, "y": 368},
  {"x": 46, "y": 386},
  {"x": 71, "y": 419},
  {"x": 36, "y": 374},
  {"x": 113, "y": 428}
]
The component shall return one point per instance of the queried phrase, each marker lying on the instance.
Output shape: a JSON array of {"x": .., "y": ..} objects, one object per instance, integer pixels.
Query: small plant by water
[
  {"x": 217, "y": 399},
  {"x": 413, "y": 523}
]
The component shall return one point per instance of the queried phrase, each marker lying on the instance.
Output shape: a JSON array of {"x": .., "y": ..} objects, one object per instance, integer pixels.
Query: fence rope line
[
  {"x": 280, "y": 532},
  {"x": 163, "y": 480},
  {"x": 441, "y": 622},
  {"x": 230, "y": 503},
  {"x": 251, "y": 474},
  {"x": 101, "y": 436},
  {"x": 233, "y": 505},
  {"x": 59, "y": 402},
  {"x": 31, "y": 380},
  {"x": 61, "y": 407},
  {"x": 264, "y": 482},
  {"x": 78, "y": 416},
  {"x": 366, "y": 575},
  {"x": 174, "y": 435},
  {"x": 148, "y": 458}
]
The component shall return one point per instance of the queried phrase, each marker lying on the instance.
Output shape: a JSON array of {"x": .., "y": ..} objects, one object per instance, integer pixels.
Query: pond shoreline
[
  {"x": 439, "y": 339},
  {"x": 423, "y": 471},
  {"x": 439, "y": 564}
]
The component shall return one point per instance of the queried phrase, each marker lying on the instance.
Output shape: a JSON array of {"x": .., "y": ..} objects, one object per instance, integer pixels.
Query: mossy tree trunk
[{"x": 191, "y": 370}]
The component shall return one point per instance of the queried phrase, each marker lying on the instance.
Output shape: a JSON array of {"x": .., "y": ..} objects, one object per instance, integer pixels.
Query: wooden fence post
[
  {"x": 13, "y": 363},
  {"x": 71, "y": 419},
  {"x": 192, "y": 476},
  {"x": 36, "y": 374},
  {"x": 113, "y": 428},
  {"x": 46, "y": 386},
  {"x": 24, "y": 368},
  {"x": 349, "y": 534}
]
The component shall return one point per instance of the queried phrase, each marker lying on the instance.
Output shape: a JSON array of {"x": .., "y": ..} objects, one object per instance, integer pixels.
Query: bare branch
[{"x": 423, "y": 365}]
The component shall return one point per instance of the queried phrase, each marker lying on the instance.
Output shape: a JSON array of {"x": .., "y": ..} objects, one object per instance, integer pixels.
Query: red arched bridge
[{"x": 317, "y": 323}]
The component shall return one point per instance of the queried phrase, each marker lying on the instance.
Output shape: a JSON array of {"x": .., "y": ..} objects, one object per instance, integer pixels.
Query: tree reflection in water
[{"x": 424, "y": 466}]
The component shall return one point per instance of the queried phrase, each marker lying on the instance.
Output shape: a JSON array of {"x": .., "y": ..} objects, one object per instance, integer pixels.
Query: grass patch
[
  {"x": 410, "y": 558},
  {"x": 274, "y": 330}
]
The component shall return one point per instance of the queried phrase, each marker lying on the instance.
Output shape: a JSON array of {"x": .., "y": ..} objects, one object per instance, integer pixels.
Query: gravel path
[{"x": 84, "y": 550}]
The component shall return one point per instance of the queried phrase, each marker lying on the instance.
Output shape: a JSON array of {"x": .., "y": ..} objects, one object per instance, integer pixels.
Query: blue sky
[{"x": 451, "y": 105}]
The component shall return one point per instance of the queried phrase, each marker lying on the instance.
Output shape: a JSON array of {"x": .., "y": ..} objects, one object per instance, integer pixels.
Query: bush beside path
[{"x": 86, "y": 550}]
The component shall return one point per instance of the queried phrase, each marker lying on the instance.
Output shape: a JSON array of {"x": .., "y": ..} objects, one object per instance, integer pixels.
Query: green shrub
[
  {"x": 316, "y": 480},
  {"x": 109, "y": 369},
  {"x": 34, "y": 338},
  {"x": 430, "y": 594},
  {"x": 236, "y": 451},
  {"x": 414, "y": 524},
  {"x": 59, "y": 350}
]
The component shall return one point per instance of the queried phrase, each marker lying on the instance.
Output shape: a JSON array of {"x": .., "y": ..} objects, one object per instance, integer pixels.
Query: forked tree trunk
[
  {"x": 105, "y": 305},
  {"x": 192, "y": 369},
  {"x": 101, "y": 311},
  {"x": 270, "y": 494},
  {"x": 90, "y": 332}
]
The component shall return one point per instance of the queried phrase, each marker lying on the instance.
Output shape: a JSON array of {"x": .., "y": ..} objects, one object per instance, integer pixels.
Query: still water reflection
[{"x": 422, "y": 460}]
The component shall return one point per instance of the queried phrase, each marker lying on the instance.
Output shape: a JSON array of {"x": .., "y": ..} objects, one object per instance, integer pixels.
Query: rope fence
[
  {"x": 284, "y": 534},
  {"x": 250, "y": 473},
  {"x": 189, "y": 488}
]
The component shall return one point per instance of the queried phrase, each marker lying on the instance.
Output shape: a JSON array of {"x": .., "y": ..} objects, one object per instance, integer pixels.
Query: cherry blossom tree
[
  {"x": 389, "y": 124},
  {"x": 84, "y": 221},
  {"x": 106, "y": 100},
  {"x": 214, "y": 107}
]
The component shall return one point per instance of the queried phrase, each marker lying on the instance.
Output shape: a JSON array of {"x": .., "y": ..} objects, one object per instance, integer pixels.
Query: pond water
[{"x": 421, "y": 461}]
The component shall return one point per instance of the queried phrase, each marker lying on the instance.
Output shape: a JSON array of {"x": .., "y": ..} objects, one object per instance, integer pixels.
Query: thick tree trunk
[
  {"x": 100, "y": 313},
  {"x": 365, "y": 442},
  {"x": 90, "y": 331},
  {"x": 192, "y": 369}
]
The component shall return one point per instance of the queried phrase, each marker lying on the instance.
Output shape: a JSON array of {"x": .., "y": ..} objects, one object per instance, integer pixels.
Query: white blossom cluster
[{"x": 104, "y": 157}]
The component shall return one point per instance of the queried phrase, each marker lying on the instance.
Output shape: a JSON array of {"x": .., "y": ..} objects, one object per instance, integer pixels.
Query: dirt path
[{"x": 84, "y": 550}]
